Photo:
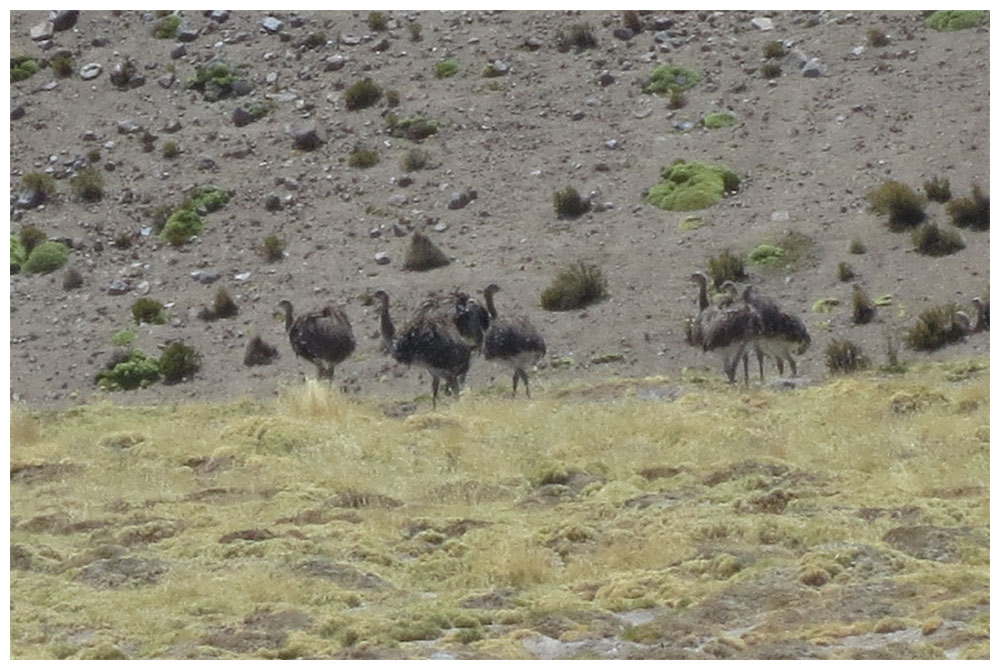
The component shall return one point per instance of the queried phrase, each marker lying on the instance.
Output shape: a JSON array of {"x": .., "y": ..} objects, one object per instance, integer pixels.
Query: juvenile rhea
[{"x": 512, "y": 340}]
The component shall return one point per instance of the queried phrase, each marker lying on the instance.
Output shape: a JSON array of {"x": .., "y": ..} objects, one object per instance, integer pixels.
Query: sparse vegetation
[
  {"x": 445, "y": 68},
  {"x": 148, "y": 310},
  {"x": 17, "y": 254},
  {"x": 717, "y": 120},
  {"x": 862, "y": 309},
  {"x": 423, "y": 254},
  {"x": 938, "y": 190},
  {"x": 415, "y": 128},
  {"x": 956, "y": 19},
  {"x": 171, "y": 150},
  {"x": 576, "y": 286},
  {"x": 39, "y": 183},
  {"x": 770, "y": 70},
  {"x": 935, "y": 328},
  {"x": 72, "y": 279},
  {"x": 259, "y": 352},
  {"x": 22, "y": 67},
  {"x": 903, "y": 206},
  {"x": 857, "y": 247},
  {"x": 568, "y": 203},
  {"x": 223, "y": 307},
  {"x": 845, "y": 357},
  {"x": 774, "y": 49},
  {"x": 181, "y": 226},
  {"x": 931, "y": 240},
  {"x": 46, "y": 257},
  {"x": 415, "y": 159},
  {"x": 392, "y": 97},
  {"x": 273, "y": 249},
  {"x": 216, "y": 81},
  {"x": 631, "y": 20},
  {"x": 490, "y": 71},
  {"x": 178, "y": 362},
  {"x": 207, "y": 199},
  {"x": 31, "y": 237},
  {"x": 877, "y": 38},
  {"x": 767, "y": 254},
  {"x": 726, "y": 266},
  {"x": 136, "y": 371},
  {"x": 844, "y": 271},
  {"x": 973, "y": 212},
  {"x": 362, "y": 94},
  {"x": 88, "y": 185},
  {"x": 62, "y": 64},
  {"x": 378, "y": 21},
  {"x": 690, "y": 186},
  {"x": 363, "y": 158},
  {"x": 578, "y": 36},
  {"x": 669, "y": 78},
  {"x": 166, "y": 27},
  {"x": 416, "y": 31}
]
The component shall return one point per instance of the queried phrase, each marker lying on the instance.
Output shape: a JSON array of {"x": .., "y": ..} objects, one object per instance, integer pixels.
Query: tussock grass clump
[
  {"x": 935, "y": 327},
  {"x": 378, "y": 21},
  {"x": 88, "y": 185},
  {"x": 22, "y": 67},
  {"x": 568, "y": 203},
  {"x": 844, "y": 271},
  {"x": 415, "y": 159},
  {"x": 938, "y": 190},
  {"x": 574, "y": 287},
  {"x": 272, "y": 248},
  {"x": 17, "y": 254},
  {"x": 726, "y": 266},
  {"x": 423, "y": 254},
  {"x": 690, "y": 186},
  {"x": 445, "y": 68},
  {"x": 416, "y": 31},
  {"x": 415, "y": 128},
  {"x": 42, "y": 185},
  {"x": 770, "y": 70},
  {"x": 171, "y": 150},
  {"x": 903, "y": 206},
  {"x": 362, "y": 94},
  {"x": 72, "y": 279},
  {"x": 773, "y": 49},
  {"x": 857, "y": 247},
  {"x": 31, "y": 237},
  {"x": 877, "y": 38},
  {"x": 148, "y": 310},
  {"x": 845, "y": 357},
  {"x": 862, "y": 309},
  {"x": 178, "y": 362},
  {"x": 973, "y": 212},
  {"x": 166, "y": 28},
  {"x": 223, "y": 307},
  {"x": 931, "y": 240},
  {"x": 62, "y": 64},
  {"x": 578, "y": 36},
  {"x": 259, "y": 352},
  {"x": 631, "y": 20},
  {"x": 363, "y": 158},
  {"x": 956, "y": 19},
  {"x": 46, "y": 257}
]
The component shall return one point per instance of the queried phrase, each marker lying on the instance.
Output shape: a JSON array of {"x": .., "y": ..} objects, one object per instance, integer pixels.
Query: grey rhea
[
  {"x": 324, "y": 338},
  {"x": 430, "y": 341},
  {"x": 782, "y": 334},
  {"x": 727, "y": 330},
  {"x": 512, "y": 340}
]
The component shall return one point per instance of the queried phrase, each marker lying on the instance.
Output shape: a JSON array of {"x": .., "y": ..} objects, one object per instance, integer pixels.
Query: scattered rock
[
  {"x": 118, "y": 287},
  {"x": 207, "y": 276},
  {"x": 763, "y": 24},
  {"x": 814, "y": 68},
  {"x": 64, "y": 19},
  {"x": 307, "y": 139},
  {"x": 334, "y": 63},
  {"x": 382, "y": 258},
  {"x": 43, "y": 31},
  {"x": 91, "y": 71},
  {"x": 187, "y": 34},
  {"x": 242, "y": 117},
  {"x": 271, "y": 24},
  {"x": 459, "y": 200}
]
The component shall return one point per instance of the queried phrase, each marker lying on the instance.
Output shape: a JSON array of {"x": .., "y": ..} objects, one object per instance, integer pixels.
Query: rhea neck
[
  {"x": 289, "y": 319},
  {"x": 702, "y": 290},
  {"x": 385, "y": 321},
  {"x": 488, "y": 294}
]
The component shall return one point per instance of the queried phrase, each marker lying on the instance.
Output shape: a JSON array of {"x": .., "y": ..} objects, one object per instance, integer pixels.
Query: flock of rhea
[{"x": 448, "y": 327}]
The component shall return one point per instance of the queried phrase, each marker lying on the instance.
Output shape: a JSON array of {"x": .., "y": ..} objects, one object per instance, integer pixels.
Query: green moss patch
[
  {"x": 690, "y": 186},
  {"x": 669, "y": 78},
  {"x": 46, "y": 257},
  {"x": 956, "y": 19},
  {"x": 717, "y": 120}
]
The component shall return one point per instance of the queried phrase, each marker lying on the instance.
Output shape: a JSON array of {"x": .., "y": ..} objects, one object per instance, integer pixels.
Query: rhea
[
  {"x": 982, "y": 314},
  {"x": 512, "y": 341},
  {"x": 324, "y": 338},
  {"x": 782, "y": 334},
  {"x": 726, "y": 330},
  {"x": 429, "y": 341}
]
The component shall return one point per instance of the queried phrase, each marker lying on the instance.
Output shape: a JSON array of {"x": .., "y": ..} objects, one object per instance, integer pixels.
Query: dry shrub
[
  {"x": 903, "y": 206},
  {"x": 577, "y": 286},
  {"x": 930, "y": 240},
  {"x": 423, "y": 254},
  {"x": 971, "y": 212},
  {"x": 845, "y": 357},
  {"x": 259, "y": 352},
  {"x": 935, "y": 328},
  {"x": 862, "y": 308},
  {"x": 938, "y": 190},
  {"x": 726, "y": 266}
]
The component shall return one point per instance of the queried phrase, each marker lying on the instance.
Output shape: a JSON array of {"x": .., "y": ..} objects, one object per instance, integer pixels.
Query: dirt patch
[
  {"x": 931, "y": 543},
  {"x": 32, "y": 473},
  {"x": 122, "y": 572},
  {"x": 342, "y": 574}
]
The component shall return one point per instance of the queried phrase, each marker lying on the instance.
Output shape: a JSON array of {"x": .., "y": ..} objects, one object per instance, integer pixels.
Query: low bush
[
  {"x": 845, "y": 272},
  {"x": 931, "y": 240},
  {"x": 62, "y": 64},
  {"x": 774, "y": 49},
  {"x": 171, "y": 150},
  {"x": 973, "y": 213},
  {"x": 717, "y": 120},
  {"x": 577, "y": 286},
  {"x": 272, "y": 249},
  {"x": 935, "y": 328},
  {"x": 415, "y": 159},
  {"x": 259, "y": 352},
  {"x": 217, "y": 80},
  {"x": 166, "y": 28},
  {"x": 690, "y": 186},
  {"x": 863, "y": 311},
  {"x": 88, "y": 185},
  {"x": 72, "y": 279},
  {"x": 630, "y": 19},
  {"x": 877, "y": 38},
  {"x": 135, "y": 371},
  {"x": 178, "y": 362},
  {"x": 726, "y": 266},
  {"x": 445, "y": 68},
  {"x": 363, "y": 158},
  {"x": 414, "y": 128},
  {"x": 857, "y": 247},
  {"x": 22, "y": 67},
  {"x": 770, "y": 70},
  {"x": 17, "y": 254},
  {"x": 181, "y": 226},
  {"x": 223, "y": 307},
  {"x": 46, "y": 257},
  {"x": 845, "y": 357},
  {"x": 579, "y": 36},
  {"x": 362, "y": 94},
  {"x": 416, "y": 31},
  {"x": 38, "y": 185},
  {"x": 148, "y": 310},
  {"x": 668, "y": 78},
  {"x": 423, "y": 254},
  {"x": 568, "y": 203},
  {"x": 938, "y": 190},
  {"x": 378, "y": 21},
  {"x": 956, "y": 19},
  {"x": 31, "y": 237},
  {"x": 207, "y": 199},
  {"x": 903, "y": 206}
]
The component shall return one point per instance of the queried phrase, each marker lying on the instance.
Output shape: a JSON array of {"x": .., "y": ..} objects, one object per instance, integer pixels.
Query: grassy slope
[{"x": 316, "y": 526}]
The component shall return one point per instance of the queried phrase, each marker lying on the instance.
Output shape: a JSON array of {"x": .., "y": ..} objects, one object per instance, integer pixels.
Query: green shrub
[
  {"x": 181, "y": 226},
  {"x": 445, "y": 68},
  {"x": 22, "y": 67},
  {"x": 668, "y": 78},
  {"x": 46, "y": 257},
  {"x": 863, "y": 311},
  {"x": 577, "y": 286},
  {"x": 362, "y": 94},
  {"x": 677, "y": 99},
  {"x": 690, "y": 186},
  {"x": 971, "y": 212},
  {"x": 877, "y": 38},
  {"x": 171, "y": 150},
  {"x": 930, "y": 240},
  {"x": 31, "y": 237},
  {"x": 717, "y": 120},
  {"x": 62, "y": 64},
  {"x": 956, "y": 19},
  {"x": 378, "y": 21},
  {"x": 363, "y": 158},
  {"x": 136, "y": 371},
  {"x": 178, "y": 362},
  {"x": 39, "y": 182},
  {"x": 88, "y": 185},
  {"x": 415, "y": 128},
  {"x": 166, "y": 28},
  {"x": 766, "y": 254},
  {"x": 630, "y": 19},
  {"x": 568, "y": 203},
  {"x": 17, "y": 254},
  {"x": 147, "y": 310},
  {"x": 214, "y": 81},
  {"x": 770, "y": 70},
  {"x": 124, "y": 337},
  {"x": 845, "y": 272},
  {"x": 726, "y": 266},
  {"x": 938, "y": 190},
  {"x": 578, "y": 36},
  {"x": 207, "y": 199},
  {"x": 72, "y": 279},
  {"x": 935, "y": 328},
  {"x": 774, "y": 49},
  {"x": 273, "y": 249},
  {"x": 857, "y": 247},
  {"x": 845, "y": 357},
  {"x": 415, "y": 159},
  {"x": 901, "y": 203}
]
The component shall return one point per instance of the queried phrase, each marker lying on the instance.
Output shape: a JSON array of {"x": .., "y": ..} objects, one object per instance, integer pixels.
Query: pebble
[
  {"x": 814, "y": 68},
  {"x": 271, "y": 24},
  {"x": 382, "y": 258},
  {"x": 306, "y": 139},
  {"x": 187, "y": 34},
  {"x": 118, "y": 287},
  {"x": 763, "y": 24},
  {"x": 205, "y": 162},
  {"x": 334, "y": 63},
  {"x": 272, "y": 202},
  {"x": 459, "y": 200},
  {"x": 207, "y": 276},
  {"x": 43, "y": 31},
  {"x": 90, "y": 71},
  {"x": 64, "y": 19}
]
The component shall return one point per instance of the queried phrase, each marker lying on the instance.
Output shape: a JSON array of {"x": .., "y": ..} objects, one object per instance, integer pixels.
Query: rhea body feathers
[{"x": 324, "y": 338}]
